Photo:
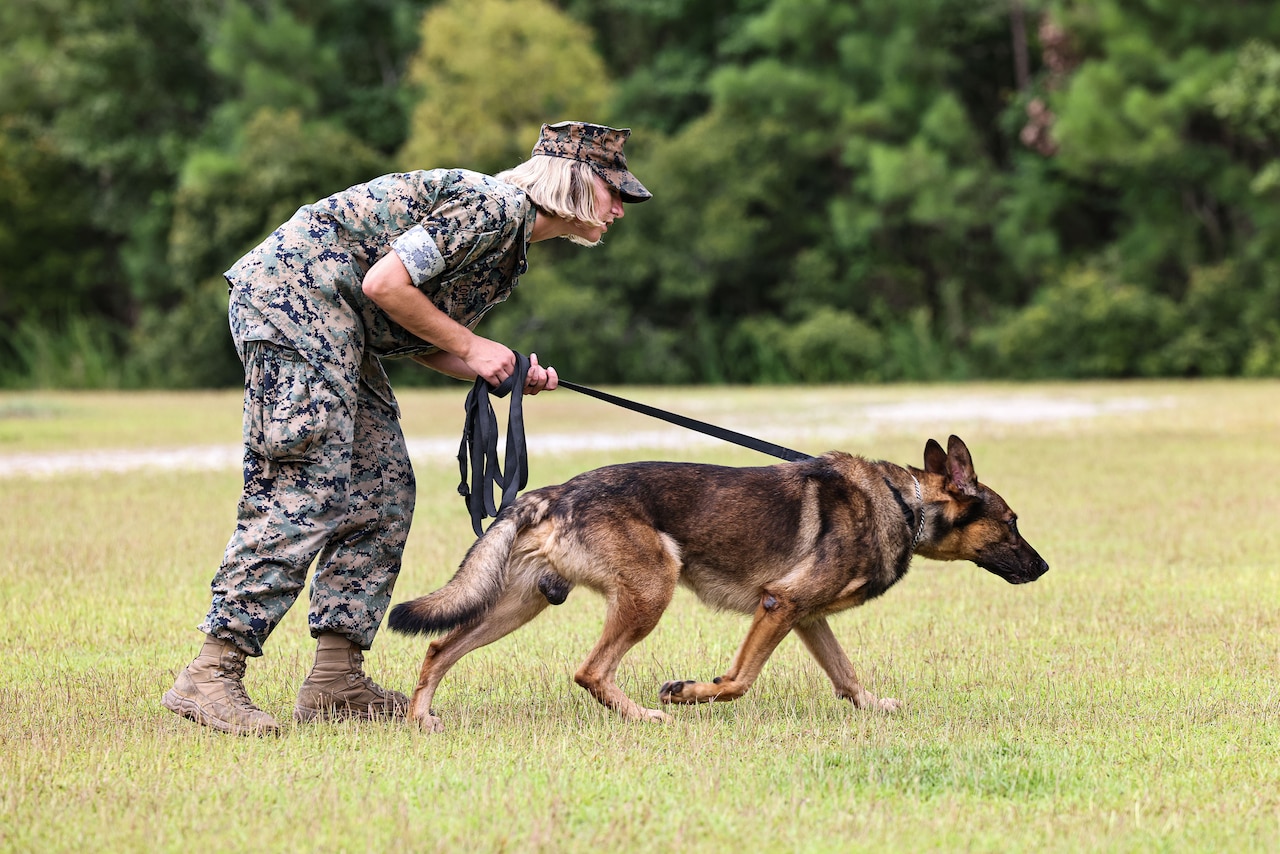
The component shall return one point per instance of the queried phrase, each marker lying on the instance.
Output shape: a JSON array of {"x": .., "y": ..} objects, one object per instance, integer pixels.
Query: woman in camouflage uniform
[{"x": 404, "y": 265}]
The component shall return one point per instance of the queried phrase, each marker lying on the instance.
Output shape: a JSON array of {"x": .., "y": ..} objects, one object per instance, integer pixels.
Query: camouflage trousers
[{"x": 322, "y": 479}]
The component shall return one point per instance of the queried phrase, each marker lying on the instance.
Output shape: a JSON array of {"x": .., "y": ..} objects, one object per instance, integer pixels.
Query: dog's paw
[
  {"x": 655, "y": 716},
  {"x": 673, "y": 692},
  {"x": 428, "y": 723},
  {"x": 864, "y": 699}
]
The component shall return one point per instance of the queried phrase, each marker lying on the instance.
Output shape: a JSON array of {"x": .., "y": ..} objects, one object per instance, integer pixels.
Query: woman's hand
[
  {"x": 488, "y": 359},
  {"x": 539, "y": 378}
]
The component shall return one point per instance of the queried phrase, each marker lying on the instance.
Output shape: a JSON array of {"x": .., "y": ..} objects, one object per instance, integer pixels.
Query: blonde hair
[{"x": 559, "y": 187}]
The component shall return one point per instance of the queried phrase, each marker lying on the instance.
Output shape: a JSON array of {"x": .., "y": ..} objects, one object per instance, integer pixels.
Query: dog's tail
[{"x": 477, "y": 584}]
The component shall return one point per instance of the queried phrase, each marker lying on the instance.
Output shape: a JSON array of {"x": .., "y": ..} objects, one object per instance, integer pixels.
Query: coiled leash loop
[{"x": 480, "y": 447}]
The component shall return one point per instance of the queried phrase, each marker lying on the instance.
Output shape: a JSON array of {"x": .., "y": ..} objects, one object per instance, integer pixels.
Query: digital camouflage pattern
[
  {"x": 320, "y": 478},
  {"x": 462, "y": 236},
  {"x": 599, "y": 145},
  {"x": 326, "y": 472}
]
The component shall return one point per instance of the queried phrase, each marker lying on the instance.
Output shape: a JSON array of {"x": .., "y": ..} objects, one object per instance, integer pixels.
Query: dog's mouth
[{"x": 1018, "y": 574}]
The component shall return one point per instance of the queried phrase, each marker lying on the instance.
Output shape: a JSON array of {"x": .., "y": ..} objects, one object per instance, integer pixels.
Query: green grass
[{"x": 1128, "y": 701}]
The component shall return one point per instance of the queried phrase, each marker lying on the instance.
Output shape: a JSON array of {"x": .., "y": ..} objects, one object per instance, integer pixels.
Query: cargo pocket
[{"x": 288, "y": 406}]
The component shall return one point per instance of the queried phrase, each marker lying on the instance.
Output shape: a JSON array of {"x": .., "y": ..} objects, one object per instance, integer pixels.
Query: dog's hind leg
[
  {"x": 516, "y": 607},
  {"x": 821, "y": 641},
  {"x": 774, "y": 617}
]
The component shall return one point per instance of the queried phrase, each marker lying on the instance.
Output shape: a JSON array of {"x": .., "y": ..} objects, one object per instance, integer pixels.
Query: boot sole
[{"x": 190, "y": 710}]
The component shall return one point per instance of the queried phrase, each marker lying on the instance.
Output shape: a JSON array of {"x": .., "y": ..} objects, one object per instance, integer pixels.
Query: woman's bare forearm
[
  {"x": 447, "y": 364},
  {"x": 388, "y": 284}
]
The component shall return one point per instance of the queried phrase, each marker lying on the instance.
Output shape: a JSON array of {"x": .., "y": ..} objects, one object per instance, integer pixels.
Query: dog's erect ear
[
  {"x": 960, "y": 467},
  {"x": 935, "y": 459}
]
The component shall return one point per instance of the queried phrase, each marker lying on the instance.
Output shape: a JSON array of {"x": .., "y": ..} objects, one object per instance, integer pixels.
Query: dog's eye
[{"x": 1013, "y": 525}]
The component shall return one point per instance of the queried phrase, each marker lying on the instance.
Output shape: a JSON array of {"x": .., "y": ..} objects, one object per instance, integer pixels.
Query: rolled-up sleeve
[{"x": 419, "y": 254}]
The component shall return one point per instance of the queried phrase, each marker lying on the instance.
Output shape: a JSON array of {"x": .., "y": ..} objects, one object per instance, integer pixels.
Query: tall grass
[
  {"x": 80, "y": 353},
  {"x": 1129, "y": 700}
]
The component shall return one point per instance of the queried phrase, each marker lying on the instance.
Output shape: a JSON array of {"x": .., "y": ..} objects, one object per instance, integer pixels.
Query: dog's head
[{"x": 975, "y": 524}]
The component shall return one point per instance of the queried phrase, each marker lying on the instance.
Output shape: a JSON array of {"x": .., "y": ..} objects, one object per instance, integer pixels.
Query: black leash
[
  {"x": 700, "y": 426},
  {"x": 480, "y": 446},
  {"x": 480, "y": 441}
]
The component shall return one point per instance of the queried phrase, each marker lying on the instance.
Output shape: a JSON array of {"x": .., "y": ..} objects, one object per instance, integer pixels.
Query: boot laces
[
  {"x": 231, "y": 669},
  {"x": 358, "y": 674}
]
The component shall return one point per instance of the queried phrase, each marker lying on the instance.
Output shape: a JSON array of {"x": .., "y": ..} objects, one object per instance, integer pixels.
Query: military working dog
[{"x": 790, "y": 543}]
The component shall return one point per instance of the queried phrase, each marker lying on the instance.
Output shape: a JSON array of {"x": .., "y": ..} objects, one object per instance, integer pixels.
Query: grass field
[{"x": 1128, "y": 701}]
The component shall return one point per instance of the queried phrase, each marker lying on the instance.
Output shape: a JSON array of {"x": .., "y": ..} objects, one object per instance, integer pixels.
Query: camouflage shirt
[{"x": 461, "y": 235}]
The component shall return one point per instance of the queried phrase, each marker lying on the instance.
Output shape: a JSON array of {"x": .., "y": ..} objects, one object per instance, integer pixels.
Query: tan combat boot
[
  {"x": 210, "y": 691},
  {"x": 337, "y": 686}
]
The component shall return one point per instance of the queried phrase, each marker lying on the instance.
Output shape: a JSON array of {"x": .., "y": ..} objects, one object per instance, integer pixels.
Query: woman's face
[{"x": 608, "y": 208}]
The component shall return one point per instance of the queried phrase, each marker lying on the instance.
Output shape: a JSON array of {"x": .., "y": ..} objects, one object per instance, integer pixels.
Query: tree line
[{"x": 865, "y": 191}]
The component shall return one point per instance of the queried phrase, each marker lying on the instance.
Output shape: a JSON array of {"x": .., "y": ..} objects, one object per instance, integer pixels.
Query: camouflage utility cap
[{"x": 599, "y": 146}]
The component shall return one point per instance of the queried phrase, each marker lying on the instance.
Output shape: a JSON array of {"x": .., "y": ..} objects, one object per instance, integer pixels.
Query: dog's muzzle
[{"x": 1027, "y": 576}]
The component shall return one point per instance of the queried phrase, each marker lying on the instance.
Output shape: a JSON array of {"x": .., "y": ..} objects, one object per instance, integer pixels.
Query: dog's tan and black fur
[{"x": 789, "y": 543}]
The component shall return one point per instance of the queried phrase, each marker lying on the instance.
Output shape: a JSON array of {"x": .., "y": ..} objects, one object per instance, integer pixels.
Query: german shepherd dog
[{"x": 789, "y": 543}]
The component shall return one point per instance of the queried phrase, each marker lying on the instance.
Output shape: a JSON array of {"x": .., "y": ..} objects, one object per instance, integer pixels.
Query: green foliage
[
  {"x": 662, "y": 53},
  {"x": 342, "y": 62},
  {"x": 1247, "y": 103},
  {"x": 43, "y": 273},
  {"x": 1249, "y": 99},
  {"x": 489, "y": 73},
  {"x": 77, "y": 353},
  {"x": 897, "y": 192},
  {"x": 585, "y": 323},
  {"x": 1091, "y": 324},
  {"x": 274, "y": 60},
  {"x": 915, "y": 350},
  {"x": 753, "y": 351},
  {"x": 833, "y": 346},
  {"x": 1094, "y": 324},
  {"x": 1140, "y": 120},
  {"x": 225, "y": 203},
  {"x": 228, "y": 200},
  {"x": 189, "y": 346},
  {"x": 586, "y": 332},
  {"x": 146, "y": 145},
  {"x": 843, "y": 191},
  {"x": 108, "y": 94},
  {"x": 1255, "y": 332},
  {"x": 1231, "y": 314}
]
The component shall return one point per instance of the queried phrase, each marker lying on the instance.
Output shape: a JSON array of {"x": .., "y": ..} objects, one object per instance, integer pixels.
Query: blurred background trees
[{"x": 844, "y": 191}]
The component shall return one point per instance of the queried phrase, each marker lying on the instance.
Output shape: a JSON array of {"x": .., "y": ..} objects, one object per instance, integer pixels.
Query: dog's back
[{"x": 731, "y": 530}]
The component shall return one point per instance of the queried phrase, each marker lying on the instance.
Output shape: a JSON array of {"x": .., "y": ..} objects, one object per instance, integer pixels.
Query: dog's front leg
[
  {"x": 775, "y": 615},
  {"x": 633, "y": 613},
  {"x": 821, "y": 641}
]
